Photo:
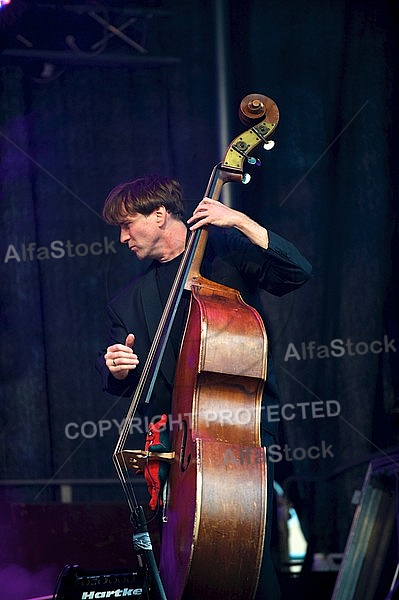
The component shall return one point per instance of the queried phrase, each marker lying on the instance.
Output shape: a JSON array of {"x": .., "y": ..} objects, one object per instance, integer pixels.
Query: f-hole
[{"x": 183, "y": 466}]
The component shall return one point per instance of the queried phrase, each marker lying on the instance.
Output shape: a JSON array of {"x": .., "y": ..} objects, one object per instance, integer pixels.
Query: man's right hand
[{"x": 120, "y": 358}]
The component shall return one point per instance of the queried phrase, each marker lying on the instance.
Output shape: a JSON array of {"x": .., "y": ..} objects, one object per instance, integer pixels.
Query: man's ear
[{"x": 161, "y": 215}]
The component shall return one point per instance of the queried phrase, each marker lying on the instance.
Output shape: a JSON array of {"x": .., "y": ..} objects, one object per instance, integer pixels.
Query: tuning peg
[
  {"x": 254, "y": 161},
  {"x": 246, "y": 178},
  {"x": 269, "y": 145}
]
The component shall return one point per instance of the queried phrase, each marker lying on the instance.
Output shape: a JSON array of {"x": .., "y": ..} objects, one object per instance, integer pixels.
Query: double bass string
[
  {"x": 152, "y": 364},
  {"x": 253, "y": 107}
]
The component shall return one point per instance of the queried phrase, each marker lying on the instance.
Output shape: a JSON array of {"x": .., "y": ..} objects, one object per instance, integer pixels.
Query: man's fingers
[
  {"x": 120, "y": 363},
  {"x": 114, "y": 348},
  {"x": 120, "y": 358},
  {"x": 118, "y": 348}
]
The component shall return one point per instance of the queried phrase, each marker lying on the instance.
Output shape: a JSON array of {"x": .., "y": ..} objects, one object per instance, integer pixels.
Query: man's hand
[
  {"x": 212, "y": 212},
  {"x": 120, "y": 358}
]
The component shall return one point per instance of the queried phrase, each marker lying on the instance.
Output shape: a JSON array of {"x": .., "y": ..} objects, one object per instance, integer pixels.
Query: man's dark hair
[{"x": 143, "y": 196}]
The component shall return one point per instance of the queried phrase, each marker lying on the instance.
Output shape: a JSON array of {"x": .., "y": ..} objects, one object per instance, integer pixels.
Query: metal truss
[{"x": 91, "y": 34}]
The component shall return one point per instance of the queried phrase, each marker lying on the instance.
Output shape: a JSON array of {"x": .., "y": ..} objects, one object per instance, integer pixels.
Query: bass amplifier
[{"x": 75, "y": 583}]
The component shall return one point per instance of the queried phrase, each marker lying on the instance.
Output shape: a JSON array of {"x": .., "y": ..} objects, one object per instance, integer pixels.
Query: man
[{"x": 240, "y": 253}]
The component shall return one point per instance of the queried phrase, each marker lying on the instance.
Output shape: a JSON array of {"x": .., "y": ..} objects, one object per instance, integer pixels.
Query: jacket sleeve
[{"x": 279, "y": 270}]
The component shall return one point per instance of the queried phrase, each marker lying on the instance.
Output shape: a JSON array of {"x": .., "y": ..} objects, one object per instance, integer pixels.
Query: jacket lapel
[{"x": 153, "y": 309}]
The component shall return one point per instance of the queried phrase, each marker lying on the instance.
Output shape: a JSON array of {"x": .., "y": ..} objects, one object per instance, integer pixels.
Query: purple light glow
[{"x": 17, "y": 583}]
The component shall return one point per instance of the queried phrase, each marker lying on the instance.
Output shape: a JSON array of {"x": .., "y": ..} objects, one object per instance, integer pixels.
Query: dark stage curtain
[{"x": 329, "y": 186}]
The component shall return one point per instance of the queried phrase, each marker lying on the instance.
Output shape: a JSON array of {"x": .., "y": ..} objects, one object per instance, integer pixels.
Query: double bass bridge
[{"x": 139, "y": 459}]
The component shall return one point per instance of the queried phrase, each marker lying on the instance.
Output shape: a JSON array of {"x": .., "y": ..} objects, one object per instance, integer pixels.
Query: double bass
[{"x": 214, "y": 507}]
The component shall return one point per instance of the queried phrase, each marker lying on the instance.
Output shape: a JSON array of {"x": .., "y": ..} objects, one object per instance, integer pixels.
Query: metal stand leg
[{"x": 143, "y": 546}]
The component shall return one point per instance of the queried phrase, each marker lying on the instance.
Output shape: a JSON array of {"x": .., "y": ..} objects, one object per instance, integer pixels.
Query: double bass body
[{"x": 215, "y": 513}]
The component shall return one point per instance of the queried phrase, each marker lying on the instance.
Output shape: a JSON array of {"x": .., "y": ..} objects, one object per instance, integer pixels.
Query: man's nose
[{"x": 123, "y": 237}]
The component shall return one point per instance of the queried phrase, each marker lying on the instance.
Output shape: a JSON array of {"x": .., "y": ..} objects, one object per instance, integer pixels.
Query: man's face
[{"x": 142, "y": 234}]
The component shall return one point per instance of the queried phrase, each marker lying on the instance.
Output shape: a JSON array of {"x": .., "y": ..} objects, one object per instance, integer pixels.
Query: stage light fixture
[{"x": 4, "y": 3}]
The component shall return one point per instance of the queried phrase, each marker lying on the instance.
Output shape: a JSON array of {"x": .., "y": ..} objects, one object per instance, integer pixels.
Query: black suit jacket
[{"x": 230, "y": 259}]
